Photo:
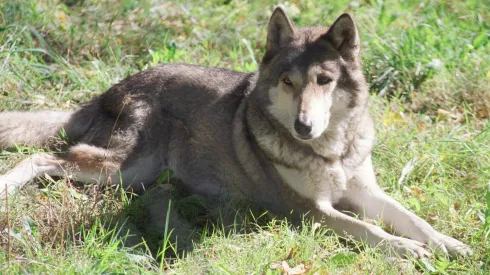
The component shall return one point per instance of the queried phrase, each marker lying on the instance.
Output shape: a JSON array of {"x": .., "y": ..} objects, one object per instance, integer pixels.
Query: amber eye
[
  {"x": 323, "y": 80},
  {"x": 287, "y": 81}
]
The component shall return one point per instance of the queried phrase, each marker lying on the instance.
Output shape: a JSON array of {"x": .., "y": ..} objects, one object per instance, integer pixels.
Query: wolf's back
[{"x": 31, "y": 128}]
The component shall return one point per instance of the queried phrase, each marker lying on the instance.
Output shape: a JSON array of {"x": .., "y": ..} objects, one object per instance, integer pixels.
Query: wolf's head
[{"x": 311, "y": 78}]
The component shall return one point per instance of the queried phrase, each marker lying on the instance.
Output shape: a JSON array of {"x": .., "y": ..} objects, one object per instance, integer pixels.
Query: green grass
[{"x": 428, "y": 64}]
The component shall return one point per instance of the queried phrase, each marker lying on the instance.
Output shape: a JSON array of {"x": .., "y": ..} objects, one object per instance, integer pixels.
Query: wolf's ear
[
  {"x": 279, "y": 32},
  {"x": 344, "y": 37}
]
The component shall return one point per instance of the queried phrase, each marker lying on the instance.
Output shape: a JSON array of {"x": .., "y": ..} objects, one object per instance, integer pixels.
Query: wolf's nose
[{"x": 302, "y": 126}]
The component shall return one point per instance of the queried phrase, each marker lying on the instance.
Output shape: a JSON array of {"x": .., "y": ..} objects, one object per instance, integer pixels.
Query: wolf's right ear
[
  {"x": 343, "y": 35},
  {"x": 279, "y": 32}
]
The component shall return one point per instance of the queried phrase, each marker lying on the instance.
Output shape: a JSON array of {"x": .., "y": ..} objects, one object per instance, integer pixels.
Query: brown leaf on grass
[
  {"x": 417, "y": 191},
  {"x": 434, "y": 218},
  {"x": 421, "y": 125},
  {"x": 61, "y": 15},
  {"x": 297, "y": 270},
  {"x": 457, "y": 205},
  {"x": 482, "y": 113},
  {"x": 287, "y": 270},
  {"x": 291, "y": 253},
  {"x": 443, "y": 114},
  {"x": 212, "y": 254},
  {"x": 276, "y": 265},
  {"x": 475, "y": 187}
]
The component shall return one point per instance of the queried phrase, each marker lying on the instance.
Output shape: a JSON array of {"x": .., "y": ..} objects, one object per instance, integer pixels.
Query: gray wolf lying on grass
[{"x": 296, "y": 135}]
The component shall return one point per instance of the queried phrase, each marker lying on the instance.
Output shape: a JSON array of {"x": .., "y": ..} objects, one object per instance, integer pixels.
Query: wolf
[{"x": 295, "y": 137}]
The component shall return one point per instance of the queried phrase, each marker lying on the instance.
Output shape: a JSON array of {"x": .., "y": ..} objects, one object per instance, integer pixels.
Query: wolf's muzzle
[{"x": 303, "y": 127}]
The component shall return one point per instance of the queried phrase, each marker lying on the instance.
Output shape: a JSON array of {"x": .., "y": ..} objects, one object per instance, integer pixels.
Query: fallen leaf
[
  {"x": 482, "y": 113},
  {"x": 417, "y": 190},
  {"x": 287, "y": 270},
  {"x": 276, "y": 265},
  {"x": 475, "y": 187},
  {"x": 291, "y": 253},
  {"x": 297, "y": 270},
  {"x": 421, "y": 126},
  {"x": 434, "y": 218},
  {"x": 443, "y": 114},
  {"x": 43, "y": 198},
  {"x": 457, "y": 205},
  {"x": 61, "y": 15}
]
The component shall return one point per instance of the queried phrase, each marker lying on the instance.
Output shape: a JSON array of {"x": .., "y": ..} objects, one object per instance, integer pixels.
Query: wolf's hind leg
[
  {"x": 86, "y": 163},
  {"x": 91, "y": 164},
  {"x": 27, "y": 170}
]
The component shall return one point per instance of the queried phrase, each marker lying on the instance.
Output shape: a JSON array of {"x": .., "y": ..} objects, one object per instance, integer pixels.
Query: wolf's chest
[{"x": 326, "y": 183}]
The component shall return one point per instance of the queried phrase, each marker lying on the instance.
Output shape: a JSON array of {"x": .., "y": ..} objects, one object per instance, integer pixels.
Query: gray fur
[
  {"x": 19, "y": 128},
  {"x": 228, "y": 134}
]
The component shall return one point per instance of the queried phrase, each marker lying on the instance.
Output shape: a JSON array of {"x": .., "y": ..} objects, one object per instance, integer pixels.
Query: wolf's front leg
[
  {"x": 345, "y": 225},
  {"x": 370, "y": 201}
]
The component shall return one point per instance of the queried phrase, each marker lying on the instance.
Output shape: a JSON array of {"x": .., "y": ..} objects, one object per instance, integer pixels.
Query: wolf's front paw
[
  {"x": 449, "y": 245},
  {"x": 406, "y": 247}
]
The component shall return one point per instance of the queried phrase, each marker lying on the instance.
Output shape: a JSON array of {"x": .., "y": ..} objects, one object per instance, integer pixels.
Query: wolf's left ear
[
  {"x": 343, "y": 35},
  {"x": 279, "y": 32}
]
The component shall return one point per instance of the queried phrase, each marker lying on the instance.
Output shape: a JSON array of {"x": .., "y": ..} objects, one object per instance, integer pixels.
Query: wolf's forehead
[
  {"x": 329, "y": 68},
  {"x": 311, "y": 34},
  {"x": 304, "y": 57},
  {"x": 316, "y": 55}
]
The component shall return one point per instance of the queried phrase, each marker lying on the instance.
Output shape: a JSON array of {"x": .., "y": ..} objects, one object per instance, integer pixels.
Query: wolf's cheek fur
[
  {"x": 284, "y": 107},
  {"x": 340, "y": 105}
]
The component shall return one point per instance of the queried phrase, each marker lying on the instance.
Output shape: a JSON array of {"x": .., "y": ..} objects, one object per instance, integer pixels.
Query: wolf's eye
[
  {"x": 287, "y": 81},
  {"x": 323, "y": 80}
]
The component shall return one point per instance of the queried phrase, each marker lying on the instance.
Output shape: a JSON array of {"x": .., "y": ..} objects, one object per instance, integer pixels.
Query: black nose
[{"x": 302, "y": 126}]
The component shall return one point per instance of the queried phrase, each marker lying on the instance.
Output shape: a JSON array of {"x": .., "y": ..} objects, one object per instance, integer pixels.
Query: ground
[{"x": 428, "y": 65}]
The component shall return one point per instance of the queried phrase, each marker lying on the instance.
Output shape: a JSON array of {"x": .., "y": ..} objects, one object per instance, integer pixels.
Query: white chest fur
[{"x": 326, "y": 183}]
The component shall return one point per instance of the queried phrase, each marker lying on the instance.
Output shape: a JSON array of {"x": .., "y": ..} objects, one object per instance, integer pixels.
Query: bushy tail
[{"x": 31, "y": 128}]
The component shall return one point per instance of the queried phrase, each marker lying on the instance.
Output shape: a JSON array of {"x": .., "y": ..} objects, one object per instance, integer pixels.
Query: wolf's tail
[{"x": 31, "y": 128}]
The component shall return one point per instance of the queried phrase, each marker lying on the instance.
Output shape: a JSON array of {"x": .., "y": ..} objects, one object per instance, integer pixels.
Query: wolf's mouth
[{"x": 303, "y": 137}]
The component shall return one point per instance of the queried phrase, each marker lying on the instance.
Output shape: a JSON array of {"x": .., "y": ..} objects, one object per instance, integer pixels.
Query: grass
[{"x": 428, "y": 64}]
